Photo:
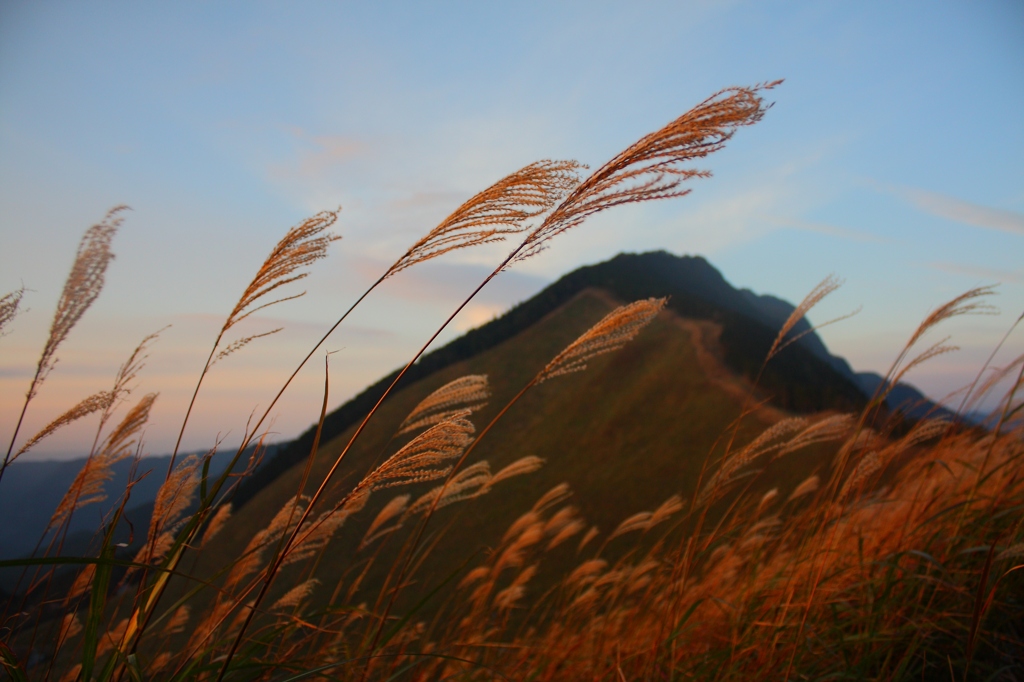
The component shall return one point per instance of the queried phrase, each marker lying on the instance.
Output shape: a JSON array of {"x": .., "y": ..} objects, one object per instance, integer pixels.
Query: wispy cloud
[
  {"x": 957, "y": 210},
  {"x": 987, "y": 274},
  {"x": 317, "y": 154},
  {"x": 830, "y": 230}
]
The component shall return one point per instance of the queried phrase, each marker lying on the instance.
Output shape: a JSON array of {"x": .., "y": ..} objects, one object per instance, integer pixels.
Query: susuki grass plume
[
  {"x": 653, "y": 167},
  {"x": 468, "y": 392},
  {"x": 9, "y": 309},
  {"x": 502, "y": 209},
  {"x": 302, "y": 245},
  {"x": 82, "y": 287},
  {"x": 905, "y": 565}
]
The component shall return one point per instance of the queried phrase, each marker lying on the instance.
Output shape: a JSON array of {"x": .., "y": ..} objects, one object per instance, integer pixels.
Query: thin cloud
[
  {"x": 986, "y": 274},
  {"x": 959, "y": 211},
  {"x": 830, "y": 230},
  {"x": 316, "y": 155}
]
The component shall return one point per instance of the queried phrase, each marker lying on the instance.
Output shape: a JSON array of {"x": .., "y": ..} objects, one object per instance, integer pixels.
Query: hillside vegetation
[{"x": 640, "y": 474}]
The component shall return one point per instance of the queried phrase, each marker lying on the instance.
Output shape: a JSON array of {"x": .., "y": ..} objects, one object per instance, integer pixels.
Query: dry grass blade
[
  {"x": 9, "y": 308},
  {"x": 611, "y": 333},
  {"x": 303, "y": 245},
  {"x": 468, "y": 392},
  {"x": 94, "y": 403},
  {"x": 824, "y": 288},
  {"x": 653, "y": 167},
  {"x": 501, "y": 209}
]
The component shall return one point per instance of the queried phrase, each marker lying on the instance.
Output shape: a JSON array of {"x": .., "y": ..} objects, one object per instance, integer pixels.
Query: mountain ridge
[{"x": 797, "y": 380}]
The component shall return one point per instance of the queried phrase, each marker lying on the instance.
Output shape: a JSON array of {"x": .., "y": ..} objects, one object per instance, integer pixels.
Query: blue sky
[{"x": 892, "y": 157}]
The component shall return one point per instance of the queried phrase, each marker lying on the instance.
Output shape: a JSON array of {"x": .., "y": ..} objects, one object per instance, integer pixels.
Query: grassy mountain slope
[
  {"x": 798, "y": 380},
  {"x": 626, "y": 434}
]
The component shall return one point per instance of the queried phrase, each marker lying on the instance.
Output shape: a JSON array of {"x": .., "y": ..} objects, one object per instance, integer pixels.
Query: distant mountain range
[{"x": 804, "y": 378}]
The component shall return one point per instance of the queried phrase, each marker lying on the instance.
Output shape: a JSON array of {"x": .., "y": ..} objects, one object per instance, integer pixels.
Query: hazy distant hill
[{"x": 32, "y": 489}]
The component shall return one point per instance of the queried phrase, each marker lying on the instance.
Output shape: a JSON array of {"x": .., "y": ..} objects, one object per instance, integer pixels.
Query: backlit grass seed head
[
  {"x": 523, "y": 465},
  {"x": 830, "y": 428},
  {"x": 524, "y": 521},
  {"x": 83, "y": 582},
  {"x": 611, "y": 333},
  {"x": 734, "y": 462},
  {"x": 656, "y": 165},
  {"x": 767, "y": 499},
  {"x": 88, "y": 486},
  {"x": 391, "y": 510},
  {"x": 823, "y": 289},
  {"x": 568, "y": 530},
  {"x": 69, "y": 627},
  {"x": 465, "y": 393},
  {"x": 295, "y": 596},
  {"x": 121, "y": 440},
  {"x": 558, "y": 520},
  {"x": 317, "y": 536},
  {"x": 638, "y": 521},
  {"x": 97, "y": 402},
  {"x": 511, "y": 595},
  {"x": 966, "y": 303},
  {"x": 586, "y": 573},
  {"x": 424, "y": 458},
  {"x": 112, "y": 638},
  {"x": 555, "y": 496},
  {"x": 302, "y": 246},
  {"x": 471, "y": 482},
  {"x": 9, "y": 308},
  {"x": 644, "y": 521},
  {"x": 81, "y": 288},
  {"x": 502, "y": 209},
  {"x": 178, "y": 621},
  {"x": 216, "y": 523},
  {"x": 176, "y": 494},
  {"x": 868, "y": 465},
  {"x": 591, "y": 534},
  {"x": 806, "y": 487}
]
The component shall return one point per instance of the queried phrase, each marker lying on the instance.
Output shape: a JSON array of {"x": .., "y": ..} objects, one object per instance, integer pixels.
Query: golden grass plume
[{"x": 611, "y": 333}]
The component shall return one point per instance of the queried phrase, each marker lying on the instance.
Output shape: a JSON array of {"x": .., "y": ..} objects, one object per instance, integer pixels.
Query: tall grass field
[{"x": 430, "y": 541}]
